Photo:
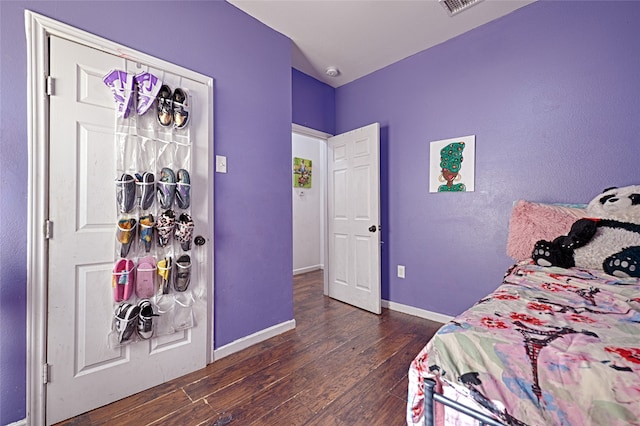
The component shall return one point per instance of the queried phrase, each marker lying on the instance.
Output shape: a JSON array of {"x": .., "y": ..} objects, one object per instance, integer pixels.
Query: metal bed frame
[{"x": 431, "y": 396}]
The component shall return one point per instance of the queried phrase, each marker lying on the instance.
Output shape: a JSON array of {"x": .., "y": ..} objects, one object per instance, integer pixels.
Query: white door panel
[
  {"x": 353, "y": 207},
  {"x": 85, "y": 372}
]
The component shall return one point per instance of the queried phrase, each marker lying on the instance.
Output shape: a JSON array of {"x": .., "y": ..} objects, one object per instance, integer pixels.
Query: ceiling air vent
[{"x": 456, "y": 6}]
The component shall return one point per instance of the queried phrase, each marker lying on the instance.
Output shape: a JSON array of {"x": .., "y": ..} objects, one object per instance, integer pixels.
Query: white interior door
[
  {"x": 354, "y": 217},
  {"x": 85, "y": 371}
]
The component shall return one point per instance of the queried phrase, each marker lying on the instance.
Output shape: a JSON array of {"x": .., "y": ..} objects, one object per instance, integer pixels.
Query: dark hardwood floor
[{"x": 339, "y": 366}]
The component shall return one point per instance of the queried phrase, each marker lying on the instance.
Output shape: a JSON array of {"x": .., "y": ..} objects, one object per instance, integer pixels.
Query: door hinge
[
  {"x": 48, "y": 229},
  {"x": 45, "y": 373},
  {"x": 50, "y": 85}
]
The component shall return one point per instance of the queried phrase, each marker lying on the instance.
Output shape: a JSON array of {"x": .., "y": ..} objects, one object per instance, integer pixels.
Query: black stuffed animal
[{"x": 608, "y": 240}]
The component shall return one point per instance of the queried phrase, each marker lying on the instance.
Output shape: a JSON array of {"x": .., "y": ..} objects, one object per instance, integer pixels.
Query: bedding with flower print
[{"x": 550, "y": 346}]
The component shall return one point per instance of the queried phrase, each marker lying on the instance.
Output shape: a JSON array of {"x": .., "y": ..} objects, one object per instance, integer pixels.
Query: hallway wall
[{"x": 308, "y": 204}]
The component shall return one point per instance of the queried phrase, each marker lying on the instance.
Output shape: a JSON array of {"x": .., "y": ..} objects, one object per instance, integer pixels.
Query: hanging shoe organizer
[{"x": 154, "y": 275}]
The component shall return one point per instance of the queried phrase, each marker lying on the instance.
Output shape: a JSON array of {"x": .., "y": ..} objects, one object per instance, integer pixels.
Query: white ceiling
[{"x": 362, "y": 36}]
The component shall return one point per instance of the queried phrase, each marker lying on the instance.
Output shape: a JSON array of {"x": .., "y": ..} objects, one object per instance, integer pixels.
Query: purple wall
[
  {"x": 251, "y": 65},
  {"x": 552, "y": 93},
  {"x": 313, "y": 102}
]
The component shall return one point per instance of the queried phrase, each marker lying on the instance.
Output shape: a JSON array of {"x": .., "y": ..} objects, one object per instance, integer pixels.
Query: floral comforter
[{"x": 550, "y": 346}]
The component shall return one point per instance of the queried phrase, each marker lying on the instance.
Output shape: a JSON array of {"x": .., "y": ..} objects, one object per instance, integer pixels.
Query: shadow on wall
[{"x": 384, "y": 212}]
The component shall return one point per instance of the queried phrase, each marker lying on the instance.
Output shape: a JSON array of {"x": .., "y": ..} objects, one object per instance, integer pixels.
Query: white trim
[
  {"x": 37, "y": 196},
  {"x": 38, "y": 28},
  {"x": 308, "y": 131},
  {"x": 307, "y": 269},
  {"x": 210, "y": 240},
  {"x": 22, "y": 422},
  {"x": 422, "y": 313},
  {"x": 59, "y": 29},
  {"x": 252, "y": 339}
]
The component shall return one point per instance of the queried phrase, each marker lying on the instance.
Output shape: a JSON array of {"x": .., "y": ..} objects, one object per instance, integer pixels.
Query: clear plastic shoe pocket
[
  {"x": 183, "y": 187},
  {"x": 143, "y": 189},
  {"x": 125, "y": 235},
  {"x": 126, "y": 238},
  {"x": 113, "y": 338},
  {"x": 146, "y": 236},
  {"x": 166, "y": 193},
  {"x": 119, "y": 278},
  {"x": 164, "y": 234},
  {"x": 182, "y": 194},
  {"x": 147, "y": 292},
  {"x": 185, "y": 229},
  {"x": 163, "y": 323},
  {"x": 125, "y": 194},
  {"x": 184, "y": 234},
  {"x": 164, "y": 281},
  {"x": 183, "y": 312}
]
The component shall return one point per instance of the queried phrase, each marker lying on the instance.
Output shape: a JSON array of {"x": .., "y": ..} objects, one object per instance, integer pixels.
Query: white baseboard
[
  {"x": 260, "y": 336},
  {"x": 22, "y": 422},
  {"x": 422, "y": 313},
  {"x": 307, "y": 269}
]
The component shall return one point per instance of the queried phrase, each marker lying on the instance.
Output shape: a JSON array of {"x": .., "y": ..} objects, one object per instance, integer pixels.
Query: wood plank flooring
[{"x": 339, "y": 366}]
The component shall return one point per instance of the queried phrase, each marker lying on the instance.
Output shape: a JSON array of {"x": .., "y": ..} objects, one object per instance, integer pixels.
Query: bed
[{"x": 549, "y": 346}]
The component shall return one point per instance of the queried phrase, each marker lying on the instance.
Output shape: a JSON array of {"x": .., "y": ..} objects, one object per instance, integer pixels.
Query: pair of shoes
[
  {"x": 180, "y": 276},
  {"x": 127, "y": 231},
  {"x": 126, "y": 277},
  {"x": 123, "y": 279},
  {"x": 146, "y": 184},
  {"x": 169, "y": 187},
  {"x": 138, "y": 317},
  {"x": 173, "y": 108},
  {"x": 126, "y": 191},
  {"x": 124, "y": 85},
  {"x": 184, "y": 231},
  {"x": 183, "y": 273}
]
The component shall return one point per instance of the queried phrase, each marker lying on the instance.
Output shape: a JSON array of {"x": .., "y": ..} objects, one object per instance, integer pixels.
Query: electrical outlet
[
  {"x": 221, "y": 164},
  {"x": 400, "y": 271}
]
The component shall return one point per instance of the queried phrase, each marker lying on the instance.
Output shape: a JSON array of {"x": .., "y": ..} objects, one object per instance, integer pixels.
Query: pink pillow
[{"x": 531, "y": 222}]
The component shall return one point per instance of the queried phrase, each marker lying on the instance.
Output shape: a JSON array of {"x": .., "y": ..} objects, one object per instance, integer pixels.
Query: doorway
[
  {"x": 308, "y": 202},
  {"x": 312, "y": 139},
  {"x": 351, "y": 230}
]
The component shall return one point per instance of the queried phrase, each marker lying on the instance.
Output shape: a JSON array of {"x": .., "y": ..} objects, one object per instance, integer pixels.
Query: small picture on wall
[
  {"x": 452, "y": 165},
  {"x": 301, "y": 173}
]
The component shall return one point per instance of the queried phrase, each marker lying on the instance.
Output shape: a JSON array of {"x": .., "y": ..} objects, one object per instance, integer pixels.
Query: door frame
[
  {"x": 324, "y": 137},
  {"x": 324, "y": 217},
  {"x": 38, "y": 28}
]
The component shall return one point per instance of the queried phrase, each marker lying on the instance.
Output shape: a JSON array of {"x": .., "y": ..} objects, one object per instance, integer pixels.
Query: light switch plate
[
  {"x": 400, "y": 271},
  {"x": 221, "y": 164}
]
